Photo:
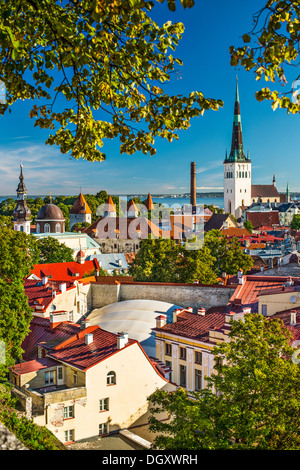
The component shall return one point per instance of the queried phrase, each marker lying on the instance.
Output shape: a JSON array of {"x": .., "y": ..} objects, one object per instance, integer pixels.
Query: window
[
  {"x": 47, "y": 228},
  {"x": 103, "y": 429},
  {"x": 168, "y": 349},
  {"x": 37, "y": 228},
  {"x": 198, "y": 379},
  {"x": 75, "y": 377},
  {"x": 198, "y": 357},
  {"x": 169, "y": 365},
  {"x": 68, "y": 412},
  {"x": 49, "y": 377},
  {"x": 57, "y": 228},
  {"x": 103, "y": 404},
  {"x": 264, "y": 310},
  {"x": 69, "y": 435},
  {"x": 59, "y": 373},
  {"x": 183, "y": 354},
  {"x": 111, "y": 378},
  {"x": 183, "y": 376}
]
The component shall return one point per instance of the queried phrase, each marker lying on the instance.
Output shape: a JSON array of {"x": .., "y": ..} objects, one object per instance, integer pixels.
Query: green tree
[
  {"x": 156, "y": 261},
  {"x": 95, "y": 70},
  {"x": 17, "y": 254},
  {"x": 196, "y": 265},
  {"x": 52, "y": 251},
  {"x": 229, "y": 257},
  {"x": 269, "y": 49},
  {"x": 248, "y": 225},
  {"x": 295, "y": 224},
  {"x": 257, "y": 402}
]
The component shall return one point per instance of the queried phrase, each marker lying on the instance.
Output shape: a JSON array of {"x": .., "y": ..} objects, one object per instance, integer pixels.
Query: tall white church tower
[{"x": 237, "y": 168}]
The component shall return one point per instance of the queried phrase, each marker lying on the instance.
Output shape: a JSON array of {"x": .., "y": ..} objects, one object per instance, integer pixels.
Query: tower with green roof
[{"x": 237, "y": 167}]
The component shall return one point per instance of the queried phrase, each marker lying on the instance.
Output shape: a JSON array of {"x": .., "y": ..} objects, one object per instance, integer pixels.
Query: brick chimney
[{"x": 193, "y": 185}]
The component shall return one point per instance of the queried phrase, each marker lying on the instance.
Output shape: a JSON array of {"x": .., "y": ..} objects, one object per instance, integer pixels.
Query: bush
[{"x": 33, "y": 437}]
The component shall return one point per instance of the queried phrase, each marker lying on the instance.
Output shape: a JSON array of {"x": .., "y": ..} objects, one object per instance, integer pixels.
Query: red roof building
[{"x": 64, "y": 272}]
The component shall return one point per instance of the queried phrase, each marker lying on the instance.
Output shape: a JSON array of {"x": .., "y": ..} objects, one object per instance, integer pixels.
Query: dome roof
[
  {"x": 50, "y": 212},
  {"x": 135, "y": 317}
]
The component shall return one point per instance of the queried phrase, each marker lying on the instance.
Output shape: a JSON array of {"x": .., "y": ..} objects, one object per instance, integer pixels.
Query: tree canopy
[
  {"x": 17, "y": 253},
  {"x": 52, "y": 251},
  {"x": 270, "y": 48},
  {"x": 257, "y": 402},
  {"x": 162, "y": 260},
  {"x": 95, "y": 70}
]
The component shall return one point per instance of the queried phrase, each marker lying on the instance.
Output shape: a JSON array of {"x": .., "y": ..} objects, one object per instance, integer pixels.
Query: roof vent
[
  {"x": 88, "y": 338},
  {"x": 122, "y": 340}
]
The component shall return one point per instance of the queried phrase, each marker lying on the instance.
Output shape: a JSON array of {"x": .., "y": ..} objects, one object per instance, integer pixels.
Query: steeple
[
  {"x": 21, "y": 213},
  {"x": 237, "y": 153},
  {"x": 288, "y": 196}
]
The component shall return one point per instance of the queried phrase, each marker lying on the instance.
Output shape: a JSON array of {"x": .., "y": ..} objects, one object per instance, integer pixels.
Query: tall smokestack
[{"x": 193, "y": 185}]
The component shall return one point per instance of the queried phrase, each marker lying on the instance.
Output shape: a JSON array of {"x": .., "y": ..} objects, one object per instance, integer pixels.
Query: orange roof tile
[{"x": 80, "y": 206}]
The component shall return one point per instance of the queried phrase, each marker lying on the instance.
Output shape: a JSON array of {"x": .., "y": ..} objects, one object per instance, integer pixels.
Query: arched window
[
  {"x": 57, "y": 228},
  {"x": 47, "y": 228},
  {"x": 37, "y": 228},
  {"x": 111, "y": 378}
]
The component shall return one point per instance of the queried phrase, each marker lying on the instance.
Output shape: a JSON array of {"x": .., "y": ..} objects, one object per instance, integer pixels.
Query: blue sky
[{"x": 272, "y": 138}]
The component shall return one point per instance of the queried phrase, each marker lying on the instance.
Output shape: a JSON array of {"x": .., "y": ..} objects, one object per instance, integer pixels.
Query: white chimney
[
  {"x": 201, "y": 311},
  {"x": 161, "y": 320},
  {"x": 88, "y": 338},
  {"x": 293, "y": 317},
  {"x": 44, "y": 280},
  {"x": 122, "y": 340},
  {"x": 63, "y": 287},
  {"x": 119, "y": 262}
]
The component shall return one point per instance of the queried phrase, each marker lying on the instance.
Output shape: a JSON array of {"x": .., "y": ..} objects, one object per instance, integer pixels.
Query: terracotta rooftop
[
  {"x": 41, "y": 332},
  {"x": 246, "y": 294},
  {"x": 42, "y": 295},
  {"x": 33, "y": 365},
  {"x": 235, "y": 232},
  {"x": 80, "y": 206},
  {"x": 264, "y": 190},
  {"x": 194, "y": 325},
  {"x": 259, "y": 219},
  {"x": 65, "y": 271}
]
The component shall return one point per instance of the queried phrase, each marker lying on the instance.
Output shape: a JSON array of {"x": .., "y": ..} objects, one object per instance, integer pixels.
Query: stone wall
[{"x": 183, "y": 295}]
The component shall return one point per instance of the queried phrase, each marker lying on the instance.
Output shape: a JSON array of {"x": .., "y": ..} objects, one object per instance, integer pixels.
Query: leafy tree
[
  {"x": 295, "y": 224},
  {"x": 229, "y": 257},
  {"x": 196, "y": 265},
  {"x": 97, "y": 71},
  {"x": 257, "y": 402},
  {"x": 17, "y": 255},
  {"x": 248, "y": 225},
  {"x": 52, "y": 251},
  {"x": 156, "y": 261},
  {"x": 270, "y": 48}
]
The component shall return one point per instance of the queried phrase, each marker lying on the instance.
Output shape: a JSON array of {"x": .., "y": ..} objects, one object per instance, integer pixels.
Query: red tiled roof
[
  {"x": 235, "y": 232},
  {"x": 33, "y": 365},
  {"x": 193, "y": 325},
  {"x": 75, "y": 352},
  {"x": 246, "y": 294},
  {"x": 63, "y": 271},
  {"x": 259, "y": 219},
  {"x": 80, "y": 206},
  {"x": 264, "y": 190},
  {"x": 40, "y": 332}
]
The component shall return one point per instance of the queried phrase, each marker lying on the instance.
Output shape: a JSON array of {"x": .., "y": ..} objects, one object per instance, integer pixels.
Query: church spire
[{"x": 237, "y": 153}]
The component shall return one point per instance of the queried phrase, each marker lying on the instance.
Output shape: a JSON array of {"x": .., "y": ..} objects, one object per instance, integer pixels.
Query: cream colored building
[
  {"x": 186, "y": 345},
  {"x": 276, "y": 300},
  {"x": 93, "y": 383}
]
